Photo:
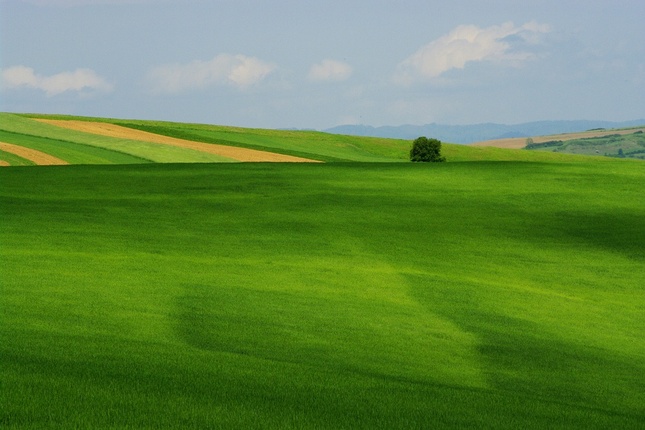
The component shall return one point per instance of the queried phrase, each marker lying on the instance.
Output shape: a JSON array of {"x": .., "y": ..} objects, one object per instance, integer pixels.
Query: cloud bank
[
  {"x": 238, "y": 71},
  {"x": 79, "y": 80},
  {"x": 469, "y": 43},
  {"x": 330, "y": 70}
]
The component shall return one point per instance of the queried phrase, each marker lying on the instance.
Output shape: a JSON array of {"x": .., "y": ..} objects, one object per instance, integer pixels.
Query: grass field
[{"x": 335, "y": 295}]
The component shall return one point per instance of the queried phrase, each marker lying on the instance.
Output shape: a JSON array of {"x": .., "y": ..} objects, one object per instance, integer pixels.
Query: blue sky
[{"x": 317, "y": 64}]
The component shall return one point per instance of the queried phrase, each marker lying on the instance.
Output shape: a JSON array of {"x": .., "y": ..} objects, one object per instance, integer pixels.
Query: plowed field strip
[
  {"x": 4, "y": 163},
  {"x": 520, "y": 142},
  {"x": 37, "y": 157},
  {"x": 112, "y": 130}
]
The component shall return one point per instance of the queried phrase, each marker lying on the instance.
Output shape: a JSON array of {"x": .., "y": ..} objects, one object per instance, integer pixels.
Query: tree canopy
[{"x": 426, "y": 150}]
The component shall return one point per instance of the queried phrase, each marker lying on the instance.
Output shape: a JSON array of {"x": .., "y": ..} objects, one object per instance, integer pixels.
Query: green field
[
  {"x": 336, "y": 295},
  {"x": 14, "y": 160},
  {"x": 631, "y": 145},
  {"x": 77, "y": 147}
]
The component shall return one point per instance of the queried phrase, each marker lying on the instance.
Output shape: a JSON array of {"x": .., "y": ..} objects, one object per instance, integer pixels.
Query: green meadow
[{"x": 473, "y": 294}]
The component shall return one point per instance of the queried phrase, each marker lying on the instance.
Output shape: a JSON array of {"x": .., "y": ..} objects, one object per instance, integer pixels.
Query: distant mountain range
[{"x": 478, "y": 132}]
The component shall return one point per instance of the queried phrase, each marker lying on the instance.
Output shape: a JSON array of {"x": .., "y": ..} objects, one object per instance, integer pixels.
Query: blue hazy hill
[{"x": 477, "y": 132}]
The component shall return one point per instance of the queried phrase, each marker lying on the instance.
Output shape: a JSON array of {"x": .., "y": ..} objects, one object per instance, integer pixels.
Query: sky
[{"x": 319, "y": 64}]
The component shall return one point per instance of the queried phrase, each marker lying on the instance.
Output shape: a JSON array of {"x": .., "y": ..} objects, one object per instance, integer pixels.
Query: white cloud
[
  {"x": 330, "y": 70},
  {"x": 236, "y": 70},
  {"x": 468, "y": 43},
  {"x": 79, "y": 80}
]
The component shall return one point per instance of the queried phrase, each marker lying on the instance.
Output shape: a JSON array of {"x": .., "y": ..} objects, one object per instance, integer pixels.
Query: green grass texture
[{"x": 325, "y": 296}]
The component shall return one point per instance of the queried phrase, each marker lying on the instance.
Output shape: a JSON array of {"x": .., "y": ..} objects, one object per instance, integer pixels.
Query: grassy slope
[
  {"x": 73, "y": 153},
  {"x": 13, "y": 159},
  {"x": 70, "y": 144},
  {"x": 632, "y": 145},
  {"x": 502, "y": 295},
  {"x": 316, "y": 145},
  {"x": 328, "y": 147},
  {"x": 308, "y": 144}
]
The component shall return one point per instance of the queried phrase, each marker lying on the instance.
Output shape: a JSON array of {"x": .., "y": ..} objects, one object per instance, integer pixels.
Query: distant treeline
[{"x": 548, "y": 144}]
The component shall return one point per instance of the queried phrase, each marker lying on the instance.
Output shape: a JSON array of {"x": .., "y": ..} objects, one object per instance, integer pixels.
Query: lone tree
[{"x": 426, "y": 150}]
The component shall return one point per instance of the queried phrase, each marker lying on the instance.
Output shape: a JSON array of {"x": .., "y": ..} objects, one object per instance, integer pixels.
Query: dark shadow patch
[{"x": 621, "y": 232}]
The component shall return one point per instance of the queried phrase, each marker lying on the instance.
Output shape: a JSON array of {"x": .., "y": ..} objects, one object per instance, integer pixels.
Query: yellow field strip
[
  {"x": 520, "y": 142},
  {"x": 112, "y": 130},
  {"x": 37, "y": 157}
]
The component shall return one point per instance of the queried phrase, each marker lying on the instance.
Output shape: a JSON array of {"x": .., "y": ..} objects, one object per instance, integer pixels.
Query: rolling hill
[
  {"x": 624, "y": 143},
  {"x": 87, "y": 142}
]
